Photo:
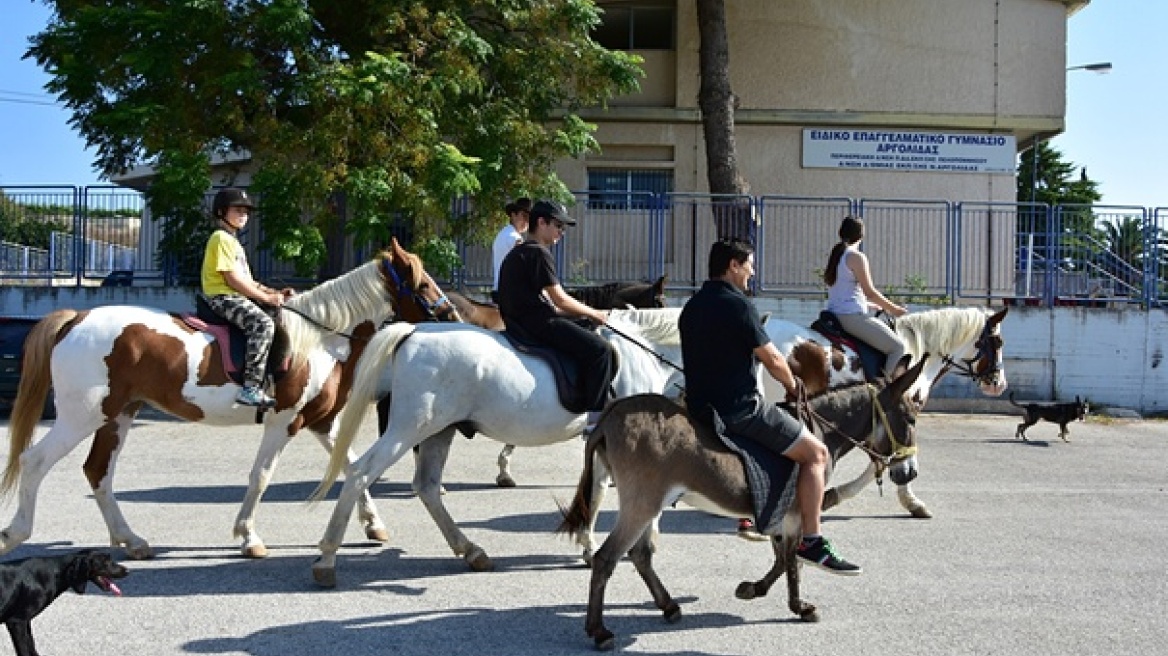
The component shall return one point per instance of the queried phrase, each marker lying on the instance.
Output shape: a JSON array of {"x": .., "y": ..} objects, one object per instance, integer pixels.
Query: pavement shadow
[{"x": 535, "y": 631}]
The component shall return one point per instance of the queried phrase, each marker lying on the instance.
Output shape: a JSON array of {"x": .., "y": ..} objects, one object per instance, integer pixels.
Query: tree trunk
[{"x": 717, "y": 102}]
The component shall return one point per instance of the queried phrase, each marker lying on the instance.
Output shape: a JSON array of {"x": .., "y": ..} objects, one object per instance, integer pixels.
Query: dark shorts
[{"x": 770, "y": 426}]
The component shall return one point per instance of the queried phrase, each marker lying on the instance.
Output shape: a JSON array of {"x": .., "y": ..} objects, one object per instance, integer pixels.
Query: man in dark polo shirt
[
  {"x": 535, "y": 306},
  {"x": 722, "y": 343}
]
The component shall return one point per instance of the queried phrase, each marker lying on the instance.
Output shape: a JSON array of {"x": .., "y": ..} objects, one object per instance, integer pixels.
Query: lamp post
[{"x": 1098, "y": 67}]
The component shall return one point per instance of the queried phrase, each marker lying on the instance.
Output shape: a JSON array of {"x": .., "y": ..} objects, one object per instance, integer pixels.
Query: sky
[{"x": 1114, "y": 123}]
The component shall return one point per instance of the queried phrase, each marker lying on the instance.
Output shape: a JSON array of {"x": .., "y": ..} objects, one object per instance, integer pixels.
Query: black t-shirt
[
  {"x": 526, "y": 271},
  {"x": 720, "y": 328}
]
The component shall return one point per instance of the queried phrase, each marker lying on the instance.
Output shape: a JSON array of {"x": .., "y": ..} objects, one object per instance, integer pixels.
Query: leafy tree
[
  {"x": 1055, "y": 184},
  {"x": 397, "y": 106},
  {"x": 31, "y": 225}
]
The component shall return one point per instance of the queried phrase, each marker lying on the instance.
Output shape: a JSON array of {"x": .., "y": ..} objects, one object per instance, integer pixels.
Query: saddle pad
[
  {"x": 221, "y": 333},
  {"x": 771, "y": 478}
]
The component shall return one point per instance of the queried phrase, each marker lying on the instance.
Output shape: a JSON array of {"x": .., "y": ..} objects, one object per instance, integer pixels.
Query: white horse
[
  {"x": 967, "y": 340},
  {"x": 104, "y": 364},
  {"x": 444, "y": 377}
]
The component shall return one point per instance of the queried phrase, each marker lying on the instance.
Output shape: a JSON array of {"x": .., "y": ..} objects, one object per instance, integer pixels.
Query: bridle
[
  {"x": 986, "y": 364},
  {"x": 898, "y": 450},
  {"x": 434, "y": 310}
]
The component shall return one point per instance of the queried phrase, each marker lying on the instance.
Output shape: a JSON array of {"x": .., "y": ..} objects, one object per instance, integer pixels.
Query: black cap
[
  {"x": 551, "y": 209},
  {"x": 518, "y": 205},
  {"x": 230, "y": 197}
]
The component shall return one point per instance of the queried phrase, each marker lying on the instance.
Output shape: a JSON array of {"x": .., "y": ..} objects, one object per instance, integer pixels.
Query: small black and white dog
[
  {"x": 28, "y": 586},
  {"x": 1058, "y": 413}
]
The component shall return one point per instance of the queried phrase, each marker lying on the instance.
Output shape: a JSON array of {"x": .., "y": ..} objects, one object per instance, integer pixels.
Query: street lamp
[{"x": 1098, "y": 67}]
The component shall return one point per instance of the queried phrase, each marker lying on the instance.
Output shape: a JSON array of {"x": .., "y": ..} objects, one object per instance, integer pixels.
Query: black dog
[
  {"x": 1058, "y": 413},
  {"x": 28, "y": 586}
]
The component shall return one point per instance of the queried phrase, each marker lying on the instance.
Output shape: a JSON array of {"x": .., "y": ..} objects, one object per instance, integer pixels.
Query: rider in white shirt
[{"x": 519, "y": 215}]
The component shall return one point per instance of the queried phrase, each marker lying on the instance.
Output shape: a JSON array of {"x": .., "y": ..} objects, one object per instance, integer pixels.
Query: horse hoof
[
  {"x": 479, "y": 561},
  {"x": 603, "y": 639},
  {"x": 809, "y": 614},
  {"x": 746, "y": 591},
  {"x": 920, "y": 512},
  {"x": 672, "y": 613},
  {"x": 504, "y": 480},
  {"x": 140, "y": 552},
  {"x": 255, "y": 551},
  {"x": 377, "y": 534},
  {"x": 325, "y": 577}
]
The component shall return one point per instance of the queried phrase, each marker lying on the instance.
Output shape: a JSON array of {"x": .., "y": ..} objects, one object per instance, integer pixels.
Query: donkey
[{"x": 657, "y": 454}]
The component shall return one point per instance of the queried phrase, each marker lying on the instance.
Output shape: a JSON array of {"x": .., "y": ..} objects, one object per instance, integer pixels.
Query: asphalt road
[{"x": 1035, "y": 549}]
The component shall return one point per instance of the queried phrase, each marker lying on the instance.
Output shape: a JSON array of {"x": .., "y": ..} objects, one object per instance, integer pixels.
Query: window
[
  {"x": 636, "y": 27},
  {"x": 622, "y": 189}
]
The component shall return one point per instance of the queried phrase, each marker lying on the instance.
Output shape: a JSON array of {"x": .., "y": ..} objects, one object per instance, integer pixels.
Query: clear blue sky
[{"x": 1113, "y": 127}]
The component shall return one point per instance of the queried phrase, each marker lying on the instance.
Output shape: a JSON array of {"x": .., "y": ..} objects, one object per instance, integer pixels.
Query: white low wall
[{"x": 1111, "y": 357}]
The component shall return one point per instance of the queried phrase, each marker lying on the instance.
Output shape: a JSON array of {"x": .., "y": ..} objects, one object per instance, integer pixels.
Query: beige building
[{"x": 982, "y": 67}]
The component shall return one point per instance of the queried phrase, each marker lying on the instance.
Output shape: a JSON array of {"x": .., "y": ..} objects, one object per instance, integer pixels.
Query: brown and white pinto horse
[
  {"x": 967, "y": 340},
  {"x": 104, "y": 364}
]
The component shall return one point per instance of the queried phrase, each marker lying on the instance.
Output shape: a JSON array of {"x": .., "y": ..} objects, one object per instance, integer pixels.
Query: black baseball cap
[
  {"x": 551, "y": 209},
  {"x": 232, "y": 197}
]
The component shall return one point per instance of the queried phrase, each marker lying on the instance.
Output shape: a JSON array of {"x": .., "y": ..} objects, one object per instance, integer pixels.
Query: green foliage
[
  {"x": 913, "y": 292},
  {"x": 400, "y": 107},
  {"x": 32, "y": 225},
  {"x": 1057, "y": 184},
  {"x": 440, "y": 255}
]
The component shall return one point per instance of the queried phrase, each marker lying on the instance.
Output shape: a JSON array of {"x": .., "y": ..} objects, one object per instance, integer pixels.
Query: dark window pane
[
  {"x": 653, "y": 28},
  {"x": 614, "y": 31}
]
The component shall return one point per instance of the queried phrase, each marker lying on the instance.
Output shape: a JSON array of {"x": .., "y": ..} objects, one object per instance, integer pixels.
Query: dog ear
[{"x": 76, "y": 570}]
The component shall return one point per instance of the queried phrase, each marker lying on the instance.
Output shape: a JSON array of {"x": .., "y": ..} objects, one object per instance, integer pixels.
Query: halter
[
  {"x": 989, "y": 350},
  {"x": 899, "y": 451},
  {"x": 440, "y": 307}
]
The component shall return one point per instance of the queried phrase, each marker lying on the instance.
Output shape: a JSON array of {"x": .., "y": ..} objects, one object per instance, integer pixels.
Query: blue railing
[{"x": 926, "y": 250}]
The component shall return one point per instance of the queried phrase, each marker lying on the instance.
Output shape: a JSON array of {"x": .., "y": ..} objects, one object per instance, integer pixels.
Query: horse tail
[
  {"x": 378, "y": 355},
  {"x": 35, "y": 380},
  {"x": 578, "y": 516}
]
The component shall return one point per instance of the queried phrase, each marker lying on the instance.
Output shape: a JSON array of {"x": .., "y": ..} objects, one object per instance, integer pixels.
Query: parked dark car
[{"x": 13, "y": 330}]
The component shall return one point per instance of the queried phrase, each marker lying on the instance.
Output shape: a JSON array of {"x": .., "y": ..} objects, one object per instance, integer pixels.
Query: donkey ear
[
  {"x": 904, "y": 382},
  {"x": 997, "y": 317}
]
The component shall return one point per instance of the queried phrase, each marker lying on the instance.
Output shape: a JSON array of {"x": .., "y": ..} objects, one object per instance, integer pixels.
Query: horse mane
[
  {"x": 656, "y": 324},
  {"x": 940, "y": 331},
  {"x": 339, "y": 304},
  {"x": 597, "y": 296}
]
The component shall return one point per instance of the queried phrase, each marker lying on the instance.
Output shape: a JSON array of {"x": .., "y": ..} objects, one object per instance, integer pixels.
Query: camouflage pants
[{"x": 257, "y": 324}]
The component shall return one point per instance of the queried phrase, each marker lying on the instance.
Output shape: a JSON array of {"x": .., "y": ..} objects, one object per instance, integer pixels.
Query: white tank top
[{"x": 846, "y": 296}]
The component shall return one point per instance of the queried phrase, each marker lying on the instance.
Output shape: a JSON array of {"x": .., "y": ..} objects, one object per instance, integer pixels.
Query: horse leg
[
  {"x": 748, "y": 590},
  {"x": 367, "y": 469},
  {"x": 504, "y": 478},
  {"x": 35, "y": 464},
  {"x": 911, "y": 503},
  {"x": 627, "y": 532},
  {"x": 366, "y": 510},
  {"x": 428, "y": 484},
  {"x": 841, "y": 493},
  {"x": 806, "y": 612},
  {"x": 99, "y": 469},
  {"x": 642, "y": 556}
]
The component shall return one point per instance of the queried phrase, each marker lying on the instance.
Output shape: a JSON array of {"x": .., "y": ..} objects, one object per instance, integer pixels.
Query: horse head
[
  {"x": 985, "y": 367},
  {"x": 897, "y": 412},
  {"x": 415, "y": 295}
]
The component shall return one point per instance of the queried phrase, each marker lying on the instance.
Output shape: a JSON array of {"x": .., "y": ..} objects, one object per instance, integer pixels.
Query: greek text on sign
[{"x": 901, "y": 150}]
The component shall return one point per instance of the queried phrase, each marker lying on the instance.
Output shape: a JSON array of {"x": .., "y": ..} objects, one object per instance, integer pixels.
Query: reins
[
  {"x": 318, "y": 324},
  {"x": 660, "y": 358}
]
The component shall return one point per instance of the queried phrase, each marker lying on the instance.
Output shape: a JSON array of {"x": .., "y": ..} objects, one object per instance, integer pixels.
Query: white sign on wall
[{"x": 903, "y": 150}]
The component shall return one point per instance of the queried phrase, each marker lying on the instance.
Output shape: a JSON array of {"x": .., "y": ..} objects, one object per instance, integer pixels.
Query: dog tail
[
  {"x": 35, "y": 380},
  {"x": 1015, "y": 403}
]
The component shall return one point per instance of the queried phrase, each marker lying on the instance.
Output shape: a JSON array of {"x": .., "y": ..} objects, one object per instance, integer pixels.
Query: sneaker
[
  {"x": 255, "y": 397},
  {"x": 747, "y": 531},
  {"x": 820, "y": 553}
]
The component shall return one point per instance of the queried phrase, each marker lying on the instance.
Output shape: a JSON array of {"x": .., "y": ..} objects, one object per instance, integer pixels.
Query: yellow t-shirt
[{"x": 224, "y": 253}]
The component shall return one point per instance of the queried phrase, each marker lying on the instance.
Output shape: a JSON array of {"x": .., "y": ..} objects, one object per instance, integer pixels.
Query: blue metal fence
[{"x": 934, "y": 250}]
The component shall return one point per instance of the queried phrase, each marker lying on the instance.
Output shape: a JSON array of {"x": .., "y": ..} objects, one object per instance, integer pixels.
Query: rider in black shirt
[{"x": 722, "y": 344}]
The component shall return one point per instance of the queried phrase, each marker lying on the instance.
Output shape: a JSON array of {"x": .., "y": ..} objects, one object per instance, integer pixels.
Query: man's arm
[
  {"x": 565, "y": 303},
  {"x": 776, "y": 365}
]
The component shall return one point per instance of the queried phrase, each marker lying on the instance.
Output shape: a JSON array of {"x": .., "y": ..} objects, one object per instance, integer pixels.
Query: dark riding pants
[{"x": 592, "y": 353}]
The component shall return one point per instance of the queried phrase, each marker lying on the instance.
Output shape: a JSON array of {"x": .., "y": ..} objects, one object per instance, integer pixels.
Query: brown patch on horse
[
  {"x": 146, "y": 365},
  {"x": 320, "y": 412},
  {"x": 808, "y": 361}
]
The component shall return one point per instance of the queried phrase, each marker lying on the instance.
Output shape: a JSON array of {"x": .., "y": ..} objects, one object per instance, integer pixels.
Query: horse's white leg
[
  {"x": 275, "y": 438},
  {"x": 109, "y": 441},
  {"x": 367, "y": 469},
  {"x": 911, "y": 503},
  {"x": 504, "y": 478},
  {"x": 35, "y": 464},
  {"x": 432, "y": 456},
  {"x": 841, "y": 493},
  {"x": 366, "y": 510}
]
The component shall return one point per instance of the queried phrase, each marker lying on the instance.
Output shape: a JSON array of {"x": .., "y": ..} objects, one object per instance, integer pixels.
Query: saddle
[
  {"x": 771, "y": 477},
  {"x": 233, "y": 342},
  {"x": 564, "y": 368},
  {"x": 828, "y": 325}
]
